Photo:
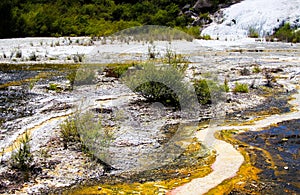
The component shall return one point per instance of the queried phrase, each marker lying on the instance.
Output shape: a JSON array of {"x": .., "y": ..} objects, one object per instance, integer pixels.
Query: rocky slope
[{"x": 261, "y": 16}]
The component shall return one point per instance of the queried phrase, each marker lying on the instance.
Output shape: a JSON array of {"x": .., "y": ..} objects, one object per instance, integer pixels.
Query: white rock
[{"x": 261, "y": 15}]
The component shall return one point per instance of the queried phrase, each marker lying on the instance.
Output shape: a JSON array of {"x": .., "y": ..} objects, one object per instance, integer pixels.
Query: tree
[{"x": 7, "y": 19}]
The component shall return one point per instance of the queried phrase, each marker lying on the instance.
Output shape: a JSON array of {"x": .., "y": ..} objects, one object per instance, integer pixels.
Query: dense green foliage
[
  {"x": 288, "y": 34},
  {"x": 117, "y": 70},
  {"x": 85, "y": 17},
  {"x": 21, "y": 18},
  {"x": 159, "y": 84}
]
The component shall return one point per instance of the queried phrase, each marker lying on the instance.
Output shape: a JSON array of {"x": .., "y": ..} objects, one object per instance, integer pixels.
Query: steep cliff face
[{"x": 260, "y": 16}]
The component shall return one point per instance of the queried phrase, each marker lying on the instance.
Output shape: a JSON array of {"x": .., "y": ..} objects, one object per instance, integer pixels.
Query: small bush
[
  {"x": 69, "y": 132},
  {"x": 226, "y": 87},
  {"x": 253, "y": 33},
  {"x": 256, "y": 69},
  {"x": 159, "y": 84},
  {"x": 240, "y": 88},
  {"x": 19, "y": 54},
  {"x": 84, "y": 76},
  {"x": 32, "y": 57},
  {"x": 245, "y": 72},
  {"x": 78, "y": 58},
  {"x": 205, "y": 37},
  {"x": 178, "y": 61},
  {"x": 54, "y": 87},
  {"x": 202, "y": 91},
  {"x": 21, "y": 158},
  {"x": 207, "y": 90},
  {"x": 194, "y": 31},
  {"x": 87, "y": 130},
  {"x": 152, "y": 53}
]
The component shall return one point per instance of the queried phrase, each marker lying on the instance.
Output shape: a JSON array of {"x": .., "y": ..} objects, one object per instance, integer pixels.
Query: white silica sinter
[{"x": 261, "y": 15}]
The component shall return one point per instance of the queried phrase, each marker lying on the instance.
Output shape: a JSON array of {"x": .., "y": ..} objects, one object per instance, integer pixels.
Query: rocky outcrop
[
  {"x": 202, "y": 7},
  {"x": 253, "y": 16}
]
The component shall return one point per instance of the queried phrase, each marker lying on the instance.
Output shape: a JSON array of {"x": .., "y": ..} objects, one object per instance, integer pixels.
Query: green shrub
[
  {"x": 240, "y": 88},
  {"x": 226, "y": 87},
  {"x": 288, "y": 34},
  {"x": 21, "y": 157},
  {"x": 205, "y": 37},
  {"x": 54, "y": 87},
  {"x": 194, "y": 31},
  {"x": 202, "y": 91},
  {"x": 178, "y": 61},
  {"x": 85, "y": 75},
  {"x": 78, "y": 58},
  {"x": 256, "y": 69},
  {"x": 87, "y": 130},
  {"x": 245, "y": 72},
  {"x": 208, "y": 90},
  {"x": 94, "y": 136},
  {"x": 69, "y": 132},
  {"x": 159, "y": 84},
  {"x": 253, "y": 33}
]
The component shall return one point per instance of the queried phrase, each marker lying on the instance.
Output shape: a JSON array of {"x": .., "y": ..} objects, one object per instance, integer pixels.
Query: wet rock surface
[{"x": 280, "y": 173}]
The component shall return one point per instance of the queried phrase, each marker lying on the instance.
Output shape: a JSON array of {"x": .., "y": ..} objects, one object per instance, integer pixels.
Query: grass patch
[
  {"x": 54, "y": 87},
  {"x": 256, "y": 69},
  {"x": 87, "y": 131},
  {"x": 240, "y": 88}
]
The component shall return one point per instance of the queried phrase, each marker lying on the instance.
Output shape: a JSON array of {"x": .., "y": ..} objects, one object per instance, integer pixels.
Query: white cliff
[{"x": 261, "y": 15}]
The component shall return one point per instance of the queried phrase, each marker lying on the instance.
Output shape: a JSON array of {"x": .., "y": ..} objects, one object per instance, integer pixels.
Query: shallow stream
[{"x": 282, "y": 142}]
